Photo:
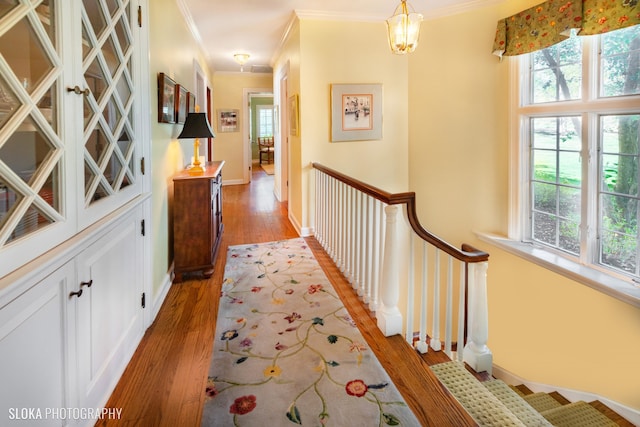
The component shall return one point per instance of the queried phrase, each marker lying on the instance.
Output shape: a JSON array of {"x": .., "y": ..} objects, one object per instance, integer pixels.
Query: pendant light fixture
[{"x": 404, "y": 29}]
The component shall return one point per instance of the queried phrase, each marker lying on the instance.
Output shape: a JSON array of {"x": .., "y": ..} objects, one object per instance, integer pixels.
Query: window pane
[
  {"x": 619, "y": 199},
  {"x": 544, "y": 166},
  {"x": 26, "y": 150},
  {"x": 620, "y": 62},
  {"x": 556, "y": 178},
  {"x": 619, "y": 234},
  {"x": 544, "y": 197},
  {"x": 265, "y": 120},
  {"x": 569, "y": 236},
  {"x": 545, "y": 228},
  {"x": 557, "y": 72}
]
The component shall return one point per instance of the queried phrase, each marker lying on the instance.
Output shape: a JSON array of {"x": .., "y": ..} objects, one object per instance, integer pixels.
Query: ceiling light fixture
[
  {"x": 404, "y": 29},
  {"x": 241, "y": 58}
]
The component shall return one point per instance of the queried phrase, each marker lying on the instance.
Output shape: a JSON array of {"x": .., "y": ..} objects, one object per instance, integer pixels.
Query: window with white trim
[
  {"x": 578, "y": 118},
  {"x": 265, "y": 120}
]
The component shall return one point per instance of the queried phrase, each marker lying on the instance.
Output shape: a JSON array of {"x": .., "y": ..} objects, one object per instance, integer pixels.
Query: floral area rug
[{"x": 287, "y": 352}]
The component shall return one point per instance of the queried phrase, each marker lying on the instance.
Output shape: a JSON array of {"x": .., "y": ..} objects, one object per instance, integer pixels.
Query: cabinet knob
[
  {"x": 79, "y": 91},
  {"x": 77, "y": 293},
  {"x": 87, "y": 284}
]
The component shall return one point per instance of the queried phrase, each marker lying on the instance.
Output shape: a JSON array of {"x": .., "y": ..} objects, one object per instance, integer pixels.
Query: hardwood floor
[{"x": 164, "y": 382}]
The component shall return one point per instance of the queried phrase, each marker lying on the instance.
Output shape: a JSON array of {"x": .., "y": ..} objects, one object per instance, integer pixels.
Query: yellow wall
[
  {"x": 445, "y": 137},
  {"x": 172, "y": 51},
  {"x": 347, "y": 52},
  {"x": 542, "y": 327},
  {"x": 287, "y": 67},
  {"x": 227, "y": 94}
]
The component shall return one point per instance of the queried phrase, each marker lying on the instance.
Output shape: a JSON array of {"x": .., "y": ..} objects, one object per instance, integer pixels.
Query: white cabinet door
[
  {"x": 32, "y": 362},
  {"x": 108, "y": 314},
  {"x": 72, "y": 127}
]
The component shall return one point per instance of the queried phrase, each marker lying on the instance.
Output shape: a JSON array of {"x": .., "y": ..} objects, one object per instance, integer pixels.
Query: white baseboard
[
  {"x": 161, "y": 295},
  {"x": 307, "y": 232},
  {"x": 295, "y": 223},
  {"x": 232, "y": 182},
  {"x": 632, "y": 415}
]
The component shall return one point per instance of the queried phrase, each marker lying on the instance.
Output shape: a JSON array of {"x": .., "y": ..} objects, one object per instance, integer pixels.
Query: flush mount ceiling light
[
  {"x": 241, "y": 58},
  {"x": 404, "y": 29}
]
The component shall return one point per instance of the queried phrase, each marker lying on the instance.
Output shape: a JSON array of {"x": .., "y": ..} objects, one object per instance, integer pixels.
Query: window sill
[{"x": 622, "y": 289}]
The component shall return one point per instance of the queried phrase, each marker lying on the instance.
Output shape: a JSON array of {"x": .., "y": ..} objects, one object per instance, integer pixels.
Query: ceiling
[{"x": 257, "y": 27}]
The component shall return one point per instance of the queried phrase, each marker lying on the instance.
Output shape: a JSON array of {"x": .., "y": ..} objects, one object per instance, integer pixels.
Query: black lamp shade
[{"x": 196, "y": 125}]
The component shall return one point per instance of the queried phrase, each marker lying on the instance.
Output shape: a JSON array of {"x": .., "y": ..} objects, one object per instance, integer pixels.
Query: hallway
[{"x": 164, "y": 382}]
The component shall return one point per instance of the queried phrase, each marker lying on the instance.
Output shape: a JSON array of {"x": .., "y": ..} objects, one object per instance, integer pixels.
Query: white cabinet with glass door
[{"x": 72, "y": 139}]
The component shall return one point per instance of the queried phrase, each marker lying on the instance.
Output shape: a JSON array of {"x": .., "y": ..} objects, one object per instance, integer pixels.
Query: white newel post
[
  {"x": 476, "y": 352},
  {"x": 388, "y": 315}
]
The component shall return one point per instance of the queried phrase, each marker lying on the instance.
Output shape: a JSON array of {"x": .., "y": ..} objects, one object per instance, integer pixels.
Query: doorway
[{"x": 260, "y": 122}]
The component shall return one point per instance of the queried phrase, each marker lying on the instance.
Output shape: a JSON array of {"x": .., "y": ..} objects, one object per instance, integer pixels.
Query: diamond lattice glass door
[
  {"x": 31, "y": 149},
  {"x": 109, "y": 145}
]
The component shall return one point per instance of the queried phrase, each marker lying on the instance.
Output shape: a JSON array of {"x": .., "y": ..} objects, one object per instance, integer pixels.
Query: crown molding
[{"x": 188, "y": 19}]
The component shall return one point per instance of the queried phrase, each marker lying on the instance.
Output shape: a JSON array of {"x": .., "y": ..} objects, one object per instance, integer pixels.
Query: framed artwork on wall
[
  {"x": 181, "y": 103},
  {"x": 191, "y": 103},
  {"x": 166, "y": 99},
  {"x": 294, "y": 125},
  {"x": 228, "y": 120},
  {"x": 356, "y": 112}
]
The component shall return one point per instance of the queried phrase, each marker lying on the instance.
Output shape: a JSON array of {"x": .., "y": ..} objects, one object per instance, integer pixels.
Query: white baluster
[
  {"x": 366, "y": 278},
  {"x": 476, "y": 352},
  {"x": 347, "y": 231},
  {"x": 361, "y": 242},
  {"x": 377, "y": 259},
  {"x": 339, "y": 235},
  {"x": 354, "y": 235},
  {"x": 318, "y": 228},
  {"x": 411, "y": 297},
  {"x": 333, "y": 225},
  {"x": 325, "y": 204},
  {"x": 449, "y": 309},
  {"x": 389, "y": 316},
  {"x": 421, "y": 344},
  {"x": 371, "y": 239},
  {"x": 381, "y": 236},
  {"x": 436, "y": 344},
  {"x": 461, "y": 319}
]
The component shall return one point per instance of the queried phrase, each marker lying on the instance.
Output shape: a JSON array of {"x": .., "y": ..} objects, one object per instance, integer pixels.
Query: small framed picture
[
  {"x": 356, "y": 112},
  {"x": 228, "y": 120},
  {"x": 166, "y": 99},
  {"x": 294, "y": 125},
  {"x": 181, "y": 103},
  {"x": 191, "y": 103}
]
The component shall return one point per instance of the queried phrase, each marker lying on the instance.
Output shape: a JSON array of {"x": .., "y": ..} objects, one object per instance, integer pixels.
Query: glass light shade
[
  {"x": 404, "y": 30},
  {"x": 241, "y": 58}
]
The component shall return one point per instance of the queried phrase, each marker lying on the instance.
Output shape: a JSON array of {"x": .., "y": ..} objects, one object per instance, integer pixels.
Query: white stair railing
[{"x": 442, "y": 305}]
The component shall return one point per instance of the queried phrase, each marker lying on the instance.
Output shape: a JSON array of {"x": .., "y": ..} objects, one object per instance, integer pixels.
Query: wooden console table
[{"x": 197, "y": 220}]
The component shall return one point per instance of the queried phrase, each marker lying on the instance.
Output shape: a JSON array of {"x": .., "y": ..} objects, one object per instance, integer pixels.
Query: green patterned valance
[{"x": 552, "y": 21}]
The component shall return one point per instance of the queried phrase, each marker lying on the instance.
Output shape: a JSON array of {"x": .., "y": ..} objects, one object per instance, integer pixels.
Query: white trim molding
[{"x": 617, "y": 287}]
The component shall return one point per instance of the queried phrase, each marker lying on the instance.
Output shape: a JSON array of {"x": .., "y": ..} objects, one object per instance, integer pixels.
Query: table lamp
[{"x": 196, "y": 126}]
